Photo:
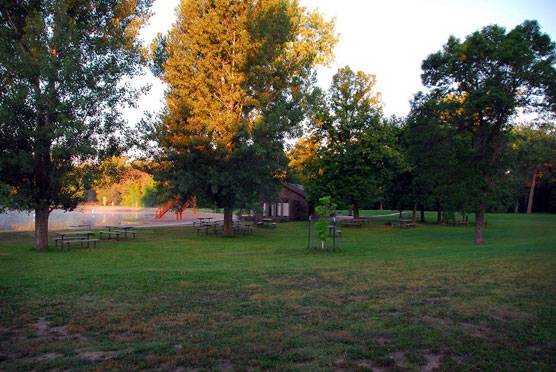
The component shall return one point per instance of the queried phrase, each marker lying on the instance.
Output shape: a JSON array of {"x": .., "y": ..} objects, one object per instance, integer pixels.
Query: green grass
[{"x": 390, "y": 300}]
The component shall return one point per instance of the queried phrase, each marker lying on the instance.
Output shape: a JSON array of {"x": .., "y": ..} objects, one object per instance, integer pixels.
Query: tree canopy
[
  {"x": 487, "y": 79},
  {"x": 348, "y": 146},
  {"x": 62, "y": 70},
  {"x": 535, "y": 148},
  {"x": 239, "y": 74}
]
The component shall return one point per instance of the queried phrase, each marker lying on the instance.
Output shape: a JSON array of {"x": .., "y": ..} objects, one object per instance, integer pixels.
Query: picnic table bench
[
  {"x": 455, "y": 221},
  {"x": 118, "y": 230},
  {"x": 68, "y": 237},
  {"x": 243, "y": 228},
  {"x": 204, "y": 228},
  {"x": 353, "y": 222},
  {"x": 404, "y": 223},
  {"x": 87, "y": 225},
  {"x": 267, "y": 222},
  {"x": 110, "y": 233},
  {"x": 331, "y": 231},
  {"x": 365, "y": 219},
  {"x": 68, "y": 242}
]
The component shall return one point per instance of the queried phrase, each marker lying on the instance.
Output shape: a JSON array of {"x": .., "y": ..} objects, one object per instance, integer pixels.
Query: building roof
[{"x": 298, "y": 189}]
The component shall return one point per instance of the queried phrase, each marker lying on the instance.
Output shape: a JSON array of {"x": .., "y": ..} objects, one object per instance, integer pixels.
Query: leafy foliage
[
  {"x": 62, "y": 65},
  {"x": 124, "y": 183},
  {"x": 485, "y": 80},
  {"x": 238, "y": 76},
  {"x": 534, "y": 146},
  {"x": 349, "y": 146},
  {"x": 324, "y": 209}
]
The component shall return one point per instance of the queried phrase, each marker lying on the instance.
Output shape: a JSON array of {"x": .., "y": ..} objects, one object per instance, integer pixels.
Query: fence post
[
  {"x": 334, "y": 233},
  {"x": 309, "y": 243}
]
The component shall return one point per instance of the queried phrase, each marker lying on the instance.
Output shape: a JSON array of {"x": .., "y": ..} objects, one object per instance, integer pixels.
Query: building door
[{"x": 286, "y": 209}]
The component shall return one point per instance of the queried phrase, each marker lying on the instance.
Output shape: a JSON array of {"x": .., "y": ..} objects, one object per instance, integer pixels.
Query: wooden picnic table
[
  {"x": 204, "y": 220},
  {"x": 117, "y": 230},
  {"x": 331, "y": 229},
  {"x": 268, "y": 222},
  {"x": 406, "y": 222},
  {"x": 87, "y": 225},
  {"x": 81, "y": 236},
  {"x": 245, "y": 228}
]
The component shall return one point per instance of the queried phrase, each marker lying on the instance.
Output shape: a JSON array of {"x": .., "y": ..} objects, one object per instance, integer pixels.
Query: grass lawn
[{"x": 421, "y": 299}]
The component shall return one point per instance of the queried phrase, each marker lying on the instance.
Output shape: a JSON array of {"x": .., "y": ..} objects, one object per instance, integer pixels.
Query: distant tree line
[
  {"x": 123, "y": 183},
  {"x": 459, "y": 149}
]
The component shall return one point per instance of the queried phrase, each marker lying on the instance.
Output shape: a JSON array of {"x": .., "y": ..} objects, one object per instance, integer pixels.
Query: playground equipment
[{"x": 179, "y": 210}]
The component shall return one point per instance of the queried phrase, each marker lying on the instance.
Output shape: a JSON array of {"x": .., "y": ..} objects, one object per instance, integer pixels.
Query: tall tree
[
  {"x": 350, "y": 141},
  {"x": 438, "y": 155},
  {"x": 535, "y": 145},
  {"x": 62, "y": 70},
  {"x": 238, "y": 73},
  {"x": 493, "y": 74}
]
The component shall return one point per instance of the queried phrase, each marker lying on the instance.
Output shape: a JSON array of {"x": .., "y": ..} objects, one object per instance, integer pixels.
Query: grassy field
[{"x": 422, "y": 299}]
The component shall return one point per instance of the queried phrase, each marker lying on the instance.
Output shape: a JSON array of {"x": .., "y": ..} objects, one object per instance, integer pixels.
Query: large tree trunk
[
  {"x": 43, "y": 183},
  {"x": 355, "y": 210},
  {"x": 422, "y": 214},
  {"x": 439, "y": 213},
  {"x": 531, "y": 194},
  {"x": 228, "y": 221},
  {"x": 41, "y": 228},
  {"x": 414, "y": 216},
  {"x": 479, "y": 217},
  {"x": 516, "y": 210}
]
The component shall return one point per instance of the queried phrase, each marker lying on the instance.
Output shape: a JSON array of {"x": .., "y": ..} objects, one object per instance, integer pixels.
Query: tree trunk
[
  {"x": 228, "y": 221},
  {"x": 516, "y": 210},
  {"x": 479, "y": 217},
  {"x": 381, "y": 206},
  {"x": 355, "y": 210},
  {"x": 531, "y": 194},
  {"x": 422, "y": 214},
  {"x": 414, "y": 216},
  {"x": 43, "y": 183},
  {"x": 41, "y": 228},
  {"x": 439, "y": 213}
]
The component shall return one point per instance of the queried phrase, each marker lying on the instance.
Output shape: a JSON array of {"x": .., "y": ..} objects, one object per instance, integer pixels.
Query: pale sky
[{"x": 388, "y": 38}]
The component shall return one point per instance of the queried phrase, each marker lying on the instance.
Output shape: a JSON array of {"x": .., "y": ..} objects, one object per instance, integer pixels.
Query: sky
[{"x": 387, "y": 38}]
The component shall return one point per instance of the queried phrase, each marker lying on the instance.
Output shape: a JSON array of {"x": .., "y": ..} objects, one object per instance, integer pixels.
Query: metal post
[
  {"x": 309, "y": 244},
  {"x": 334, "y": 233}
]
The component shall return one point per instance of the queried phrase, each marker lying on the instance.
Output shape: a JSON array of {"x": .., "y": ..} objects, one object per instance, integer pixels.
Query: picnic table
[
  {"x": 204, "y": 220},
  {"x": 407, "y": 223},
  {"x": 206, "y": 225},
  {"x": 268, "y": 222},
  {"x": 331, "y": 229},
  {"x": 243, "y": 227},
  {"x": 87, "y": 225},
  {"x": 117, "y": 230},
  {"x": 75, "y": 236},
  {"x": 351, "y": 222}
]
